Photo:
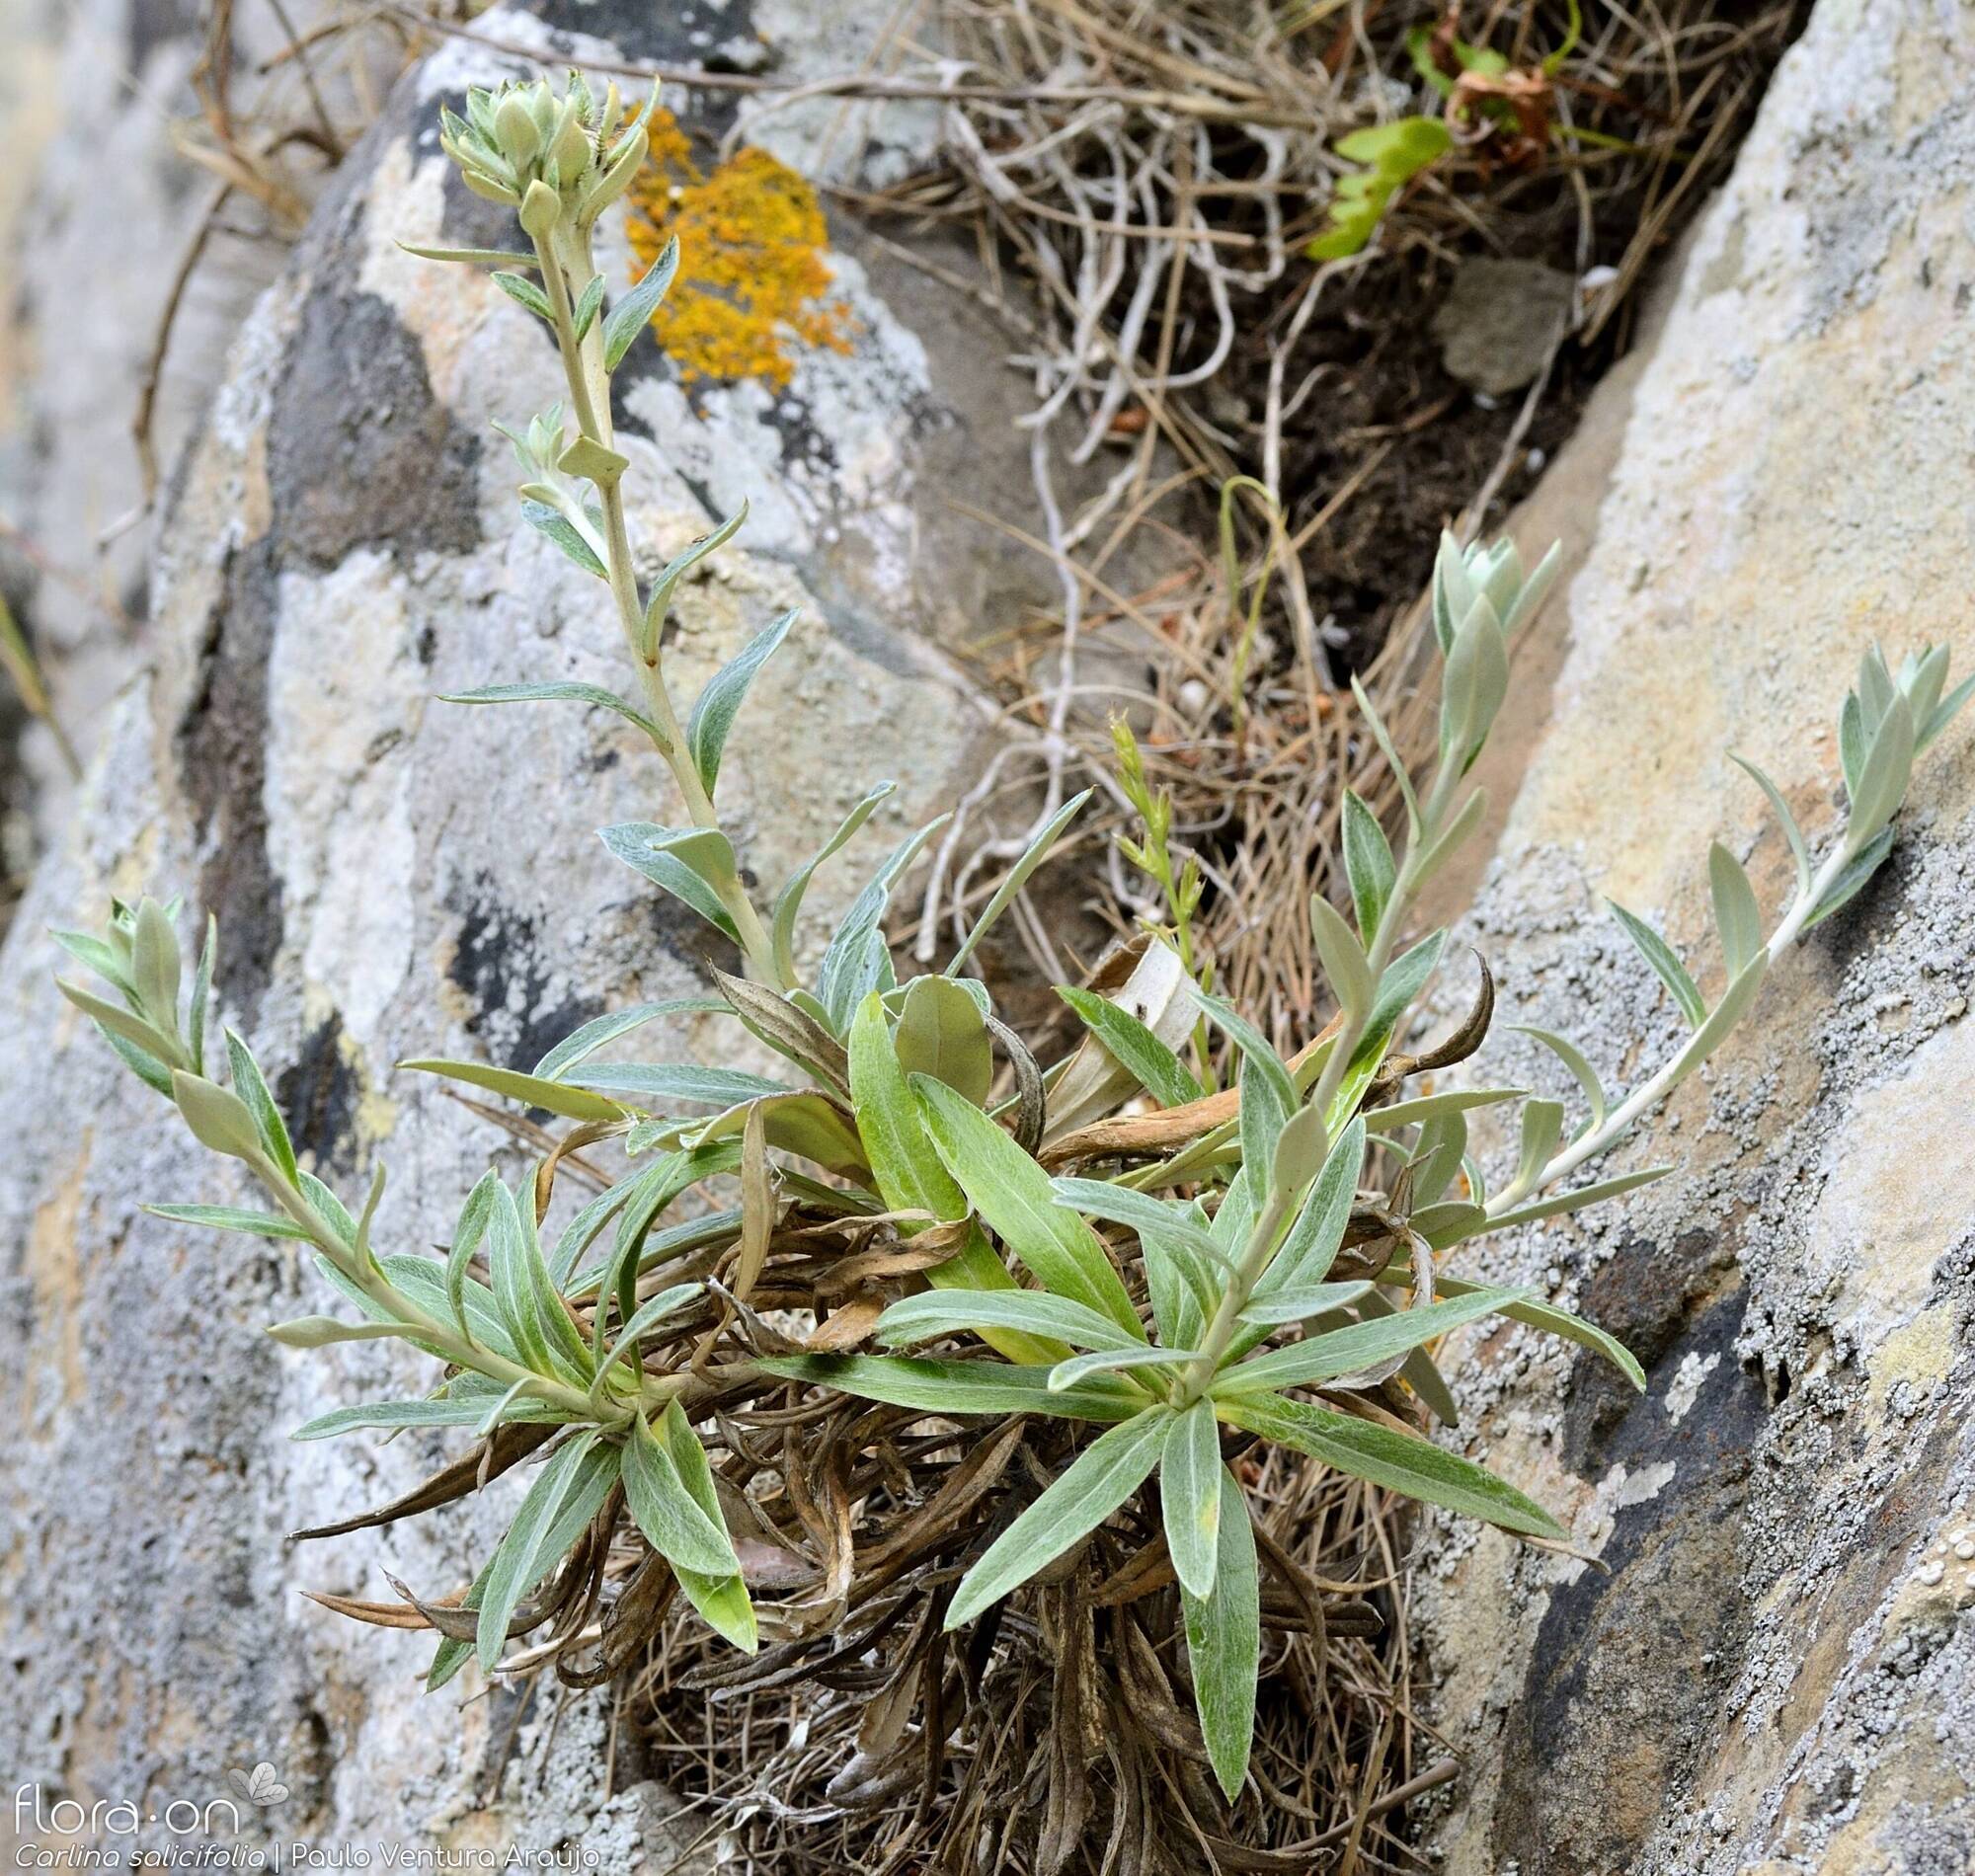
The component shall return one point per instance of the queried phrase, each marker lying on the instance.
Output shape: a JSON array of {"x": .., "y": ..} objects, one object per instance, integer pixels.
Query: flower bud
[
  {"x": 514, "y": 125},
  {"x": 541, "y": 210}
]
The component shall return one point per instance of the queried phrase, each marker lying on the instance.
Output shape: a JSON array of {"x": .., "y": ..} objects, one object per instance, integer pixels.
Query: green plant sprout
[{"x": 1099, "y": 1241}]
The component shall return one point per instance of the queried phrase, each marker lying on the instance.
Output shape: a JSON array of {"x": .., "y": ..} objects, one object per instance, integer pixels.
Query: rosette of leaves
[{"x": 1096, "y": 1248}]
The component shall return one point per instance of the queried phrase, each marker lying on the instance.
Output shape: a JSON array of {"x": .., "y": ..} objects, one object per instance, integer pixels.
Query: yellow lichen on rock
[{"x": 753, "y": 280}]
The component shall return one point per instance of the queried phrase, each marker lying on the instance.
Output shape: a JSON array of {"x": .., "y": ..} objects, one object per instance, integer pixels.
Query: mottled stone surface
[
  {"x": 1764, "y": 1672},
  {"x": 394, "y": 876}
]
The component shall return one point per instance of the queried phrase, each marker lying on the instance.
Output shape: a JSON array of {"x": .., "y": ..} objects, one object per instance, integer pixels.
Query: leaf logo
[{"x": 262, "y": 1786}]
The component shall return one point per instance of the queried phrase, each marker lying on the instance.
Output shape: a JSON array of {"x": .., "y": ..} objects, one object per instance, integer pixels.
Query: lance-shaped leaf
[
  {"x": 693, "y": 864},
  {"x": 1573, "y": 1058},
  {"x": 1368, "y": 864},
  {"x": 252, "y": 1087},
  {"x": 1660, "y": 955},
  {"x": 634, "y": 311},
  {"x": 1190, "y": 1495},
  {"x": 580, "y": 1043},
  {"x": 912, "y": 1177},
  {"x": 788, "y": 903},
  {"x": 1101, "y": 1478},
  {"x": 1542, "y": 1124},
  {"x": 221, "y": 1218},
  {"x": 557, "y": 693},
  {"x": 532, "y": 1090},
  {"x": 1017, "y": 876},
  {"x": 997, "y": 1389},
  {"x": 942, "y": 1034},
  {"x": 570, "y": 1489},
  {"x": 1156, "y": 1068},
  {"x": 1013, "y": 1194},
  {"x": 1554, "y": 1320},
  {"x": 787, "y": 1029},
  {"x": 1883, "y": 777},
  {"x": 717, "y": 706},
  {"x": 806, "y": 1121},
  {"x": 1383, "y": 1455},
  {"x": 1141, "y": 1212},
  {"x": 558, "y": 527},
  {"x": 1323, "y": 1358},
  {"x": 1738, "y": 919},
  {"x": 667, "y": 1513},
  {"x": 1224, "y": 1641},
  {"x": 939, "y": 1312},
  {"x": 684, "y": 1081},
  {"x": 1852, "y": 881},
  {"x": 1311, "y": 1246},
  {"x": 857, "y": 962},
  {"x": 1799, "y": 850}
]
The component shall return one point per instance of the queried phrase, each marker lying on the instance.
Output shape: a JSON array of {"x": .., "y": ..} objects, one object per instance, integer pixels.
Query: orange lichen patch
[{"x": 753, "y": 282}]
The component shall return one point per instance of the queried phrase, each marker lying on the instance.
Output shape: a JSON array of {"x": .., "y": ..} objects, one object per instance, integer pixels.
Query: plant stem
[
  {"x": 590, "y": 398},
  {"x": 1261, "y": 1245},
  {"x": 1643, "y": 1099}
]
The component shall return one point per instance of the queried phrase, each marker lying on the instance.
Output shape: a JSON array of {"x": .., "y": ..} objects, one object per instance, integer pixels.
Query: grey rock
[
  {"x": 1499, "y": 321},
  {"x": 1772, "y": 1670}
]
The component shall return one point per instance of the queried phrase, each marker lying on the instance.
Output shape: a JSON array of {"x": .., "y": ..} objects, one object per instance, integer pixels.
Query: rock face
[
  {"x": 1772, "y": 1669},
  {"x": 393, "y": 875}
]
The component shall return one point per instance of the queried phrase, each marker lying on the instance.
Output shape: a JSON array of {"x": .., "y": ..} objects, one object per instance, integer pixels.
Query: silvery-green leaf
[
  {"x": 930, "y": 1386},
  {"x": 1437, "y": 1156},
  {"x": 1473, "y": 684},
  {"x": 556, "y": 1096},
  {"x": 154, "y": 964},
  {"x": 1882, "y": 781},
  {"x": 666, "y": 1511},
  {"x": 721, "y": 1600},
  {"x": 1852, "y": 742},
  {"x": 937, "y": 1312},
  {"x": 473, "y": 257},
  {"x": 1944, "y": 713},
  {"x": 1452, "y": 590},
  {"x": 1138, "y": 1212},
  {"x": 676, "y": 569},
  {"x": 1738, "y": 919},
  {"x": 788, "y": 903},
  {"x": 1263, "y": 1118},
  {"x": 716, "y": 707},
  {"x": 1223, "y": 1642},
  {"x": 1158, "y": 1070},
  {"x": 1800, "y": 851},
  {"x": 1252, "y": 1044},
  {"x": 252, "y": 1087},
  {"x": 101, "y": 957},
  {"x": 1386, "y": 1457},
  {"x": 1876, "y": 687},
  {"x": 1190, "y": 1495},
  {"x": 229, "y": 1218},
  {"x": 476, "y": 1216},
  {"x": 1300, "y": 1148},
  {"x": 422, "y": 1282},
  {"x": 1660, "y": 955},
  {"x": 115, "y": 1021},
  {"x": 1184, "y": 1286},
  {"x": 1343, "y": 958},
  {"x": 1298, "y": 1306},
  {"x": 679, "y": 860},
  {"x": 524, "y": 292},
  {"x": 1533, "y": 590},
  {"x": 1723, "y": 1017},
  {"x": 556, "y": 693},
  {"x": 1368, "y": 715},
  {"x": 1557, "y": 1321},
  {"x": 1573, "y": 1058},
  {"x": 1849, "y": 882},
  {"x": 844, "y": 978},
  {"x": 1368, "y": 864},
  {"x": 678, "y": 1081},
  {"x": 942, "y": 1032},
  {"x": 1324, "y": 1358},
  {"x": 1101, "y": 1478},
  {"x": 1419, "y": 1374},
  {"x": 1553, "y": 1207},
  {"x": 586, "y": 306},
  {"x": 1465, "y": 819},
  {"x": 1429, "y": 1107},
  {"x": 580, "y": 1043},
  {"x": 320, "y": 1332},
  {"x": 633, "y": 312},
  {"x": 558, "y": 527},
  {"x": 1543, "y": 1127},
  {"x": 1017, "y": 876},
  {"x": 576, "y": 1474},
  {"x": 1310, "y": 1247},
  {"x": 647, "y": 1315},
  {"x": 1013, "y": 1194},
  {"x": 1403, "y": 979},
  {"x": 392, "y": 1415},
  {"x": 217, "y": 1117}
]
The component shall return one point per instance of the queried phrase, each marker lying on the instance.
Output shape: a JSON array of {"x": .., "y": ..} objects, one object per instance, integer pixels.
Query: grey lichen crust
[
  {"x": 1773, "y": 1668},
  {"x": 395, "y": 877}
]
